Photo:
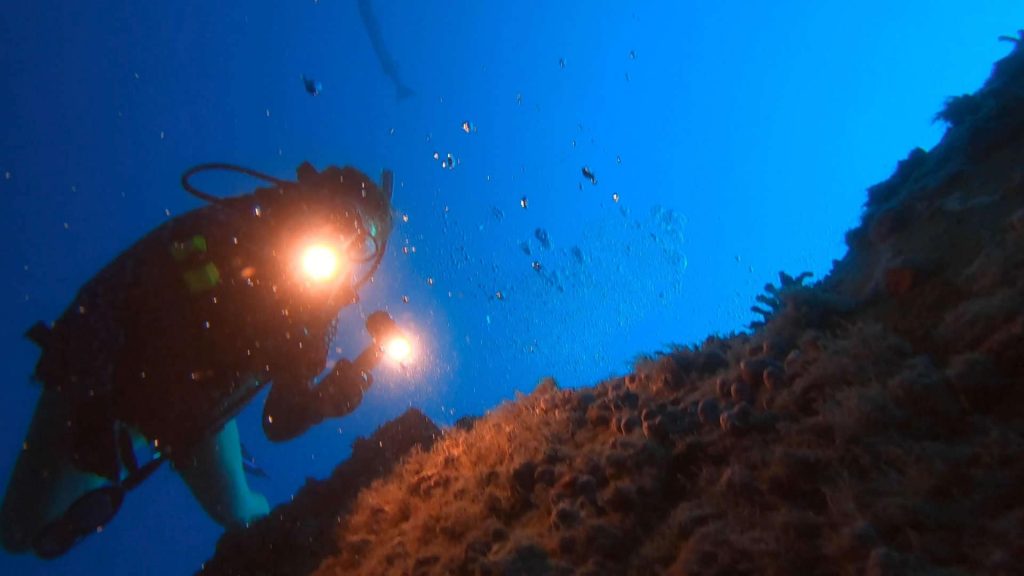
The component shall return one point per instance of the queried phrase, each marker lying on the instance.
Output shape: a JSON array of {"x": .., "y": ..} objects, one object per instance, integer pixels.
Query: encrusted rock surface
[
  {"x": 296, "y": 537},
  {"x": 872, "y": 423}
]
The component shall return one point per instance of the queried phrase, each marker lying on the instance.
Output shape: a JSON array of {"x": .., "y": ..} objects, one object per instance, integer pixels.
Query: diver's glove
[{"x": 341, "y": 391}]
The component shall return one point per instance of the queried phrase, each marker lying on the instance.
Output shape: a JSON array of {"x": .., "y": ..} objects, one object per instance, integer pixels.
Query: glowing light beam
[
  {"x": 320, "y": 262},
  {"x": 398, "y": 349}
]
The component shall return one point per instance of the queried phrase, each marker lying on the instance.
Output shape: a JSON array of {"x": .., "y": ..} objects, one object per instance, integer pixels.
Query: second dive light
[{"x": 388, "y": 339}]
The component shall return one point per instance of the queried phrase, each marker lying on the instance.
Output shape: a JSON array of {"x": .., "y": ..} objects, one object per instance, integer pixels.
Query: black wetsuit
[{"x": 173, "y": 336}]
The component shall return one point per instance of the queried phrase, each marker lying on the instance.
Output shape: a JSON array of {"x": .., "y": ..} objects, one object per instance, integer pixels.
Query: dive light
[{"x": 388, "y": 338}]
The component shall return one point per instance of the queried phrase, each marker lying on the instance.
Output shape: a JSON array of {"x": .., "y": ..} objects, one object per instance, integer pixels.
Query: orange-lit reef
[{"x": 871, "y": 424}]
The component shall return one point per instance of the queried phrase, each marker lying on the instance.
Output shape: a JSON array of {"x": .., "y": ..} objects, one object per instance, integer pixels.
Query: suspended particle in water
[
  {"x": 405, "y": 217},
  {"x": 542, "y": 236},
  {"x": 632, "y": 54},
  {"x": 430, "y": 281},
  {"x": 589, "y": 175},
  {"x": 405, "y": 299},
  {"x": 7, "y": 175},
  {"x": 561, "y": 63},
  {"x": 312, "y": 85},
  {"x": 468, "y": 127},
  {"x": 615, "y": 197},
  {"x": 577, "y": 253},
  {"x": 523, "y": 202},
  {"x": 536, "y": 266},
  {"x": 519, "y": 98},
  {"x": 498, "y": 295},
  {"x": 437, "y": 155},
  {"x": 618, "y": 159}
]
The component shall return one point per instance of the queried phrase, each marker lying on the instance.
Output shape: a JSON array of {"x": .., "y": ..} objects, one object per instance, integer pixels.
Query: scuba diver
[{"x": 159, "y": 352}]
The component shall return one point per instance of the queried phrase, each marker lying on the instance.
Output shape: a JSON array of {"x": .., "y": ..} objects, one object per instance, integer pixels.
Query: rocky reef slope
[{"x": 871, "y": 423}]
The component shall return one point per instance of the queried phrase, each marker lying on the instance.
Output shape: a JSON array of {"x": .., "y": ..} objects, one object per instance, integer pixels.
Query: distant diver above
[
  {"x": 387, "y": 62},
  {"x": 159, "y": 352}
]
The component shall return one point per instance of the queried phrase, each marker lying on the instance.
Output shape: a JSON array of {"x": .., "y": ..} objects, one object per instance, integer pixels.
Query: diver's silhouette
[{"x": 164, "y": 346}]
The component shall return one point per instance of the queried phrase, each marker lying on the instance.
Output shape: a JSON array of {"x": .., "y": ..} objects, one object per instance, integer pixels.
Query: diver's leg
[
  {"x": 45, "y": 481},
  {"x": 215, "y": 474}
]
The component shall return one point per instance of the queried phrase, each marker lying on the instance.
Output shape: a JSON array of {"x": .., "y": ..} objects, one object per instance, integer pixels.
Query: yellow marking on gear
[
  {"x": 194, "y": 245},
  {"x": 202, "y": 279}
]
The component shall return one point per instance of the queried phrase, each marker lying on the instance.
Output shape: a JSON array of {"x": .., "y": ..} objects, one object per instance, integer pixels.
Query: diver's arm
[
  {"x": 293, "y": 406},
  {"x": 290, "y": 408}
]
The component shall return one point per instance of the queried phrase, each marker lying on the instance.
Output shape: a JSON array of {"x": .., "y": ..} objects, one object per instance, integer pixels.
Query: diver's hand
[{"x": 342, "y": 390}]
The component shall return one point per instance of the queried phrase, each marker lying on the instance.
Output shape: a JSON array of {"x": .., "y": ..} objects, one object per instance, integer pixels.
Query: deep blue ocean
[{"x": 727, "y": 141}]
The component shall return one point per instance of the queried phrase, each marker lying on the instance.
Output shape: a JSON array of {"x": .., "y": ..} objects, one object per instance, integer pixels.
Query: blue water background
[{"x": 738, "y": 136}]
